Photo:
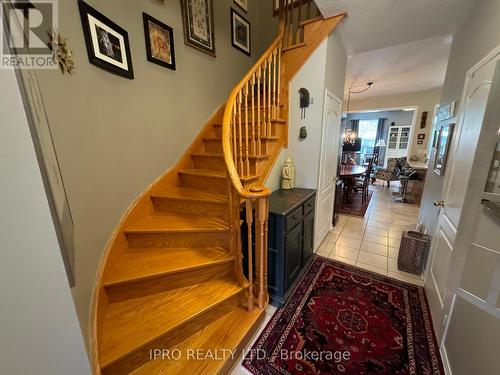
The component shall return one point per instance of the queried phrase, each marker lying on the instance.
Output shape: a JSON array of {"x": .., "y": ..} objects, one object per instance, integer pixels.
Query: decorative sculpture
[
  {"x": 304, "y": 101},
  {"x": 303, "y": 133},
  {"x": 61, "y": 53},
  {"x": 288, "y": 174}
]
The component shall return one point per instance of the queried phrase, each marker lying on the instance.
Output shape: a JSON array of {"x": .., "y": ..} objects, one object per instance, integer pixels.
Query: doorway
[
  {"x": 385, "y": 133},
  {"x": 330, "y": 143}
]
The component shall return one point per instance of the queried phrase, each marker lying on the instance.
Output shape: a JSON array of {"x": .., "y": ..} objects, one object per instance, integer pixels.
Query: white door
[
  {"x": 463, "y": 277},
  {"x": 472, "y": 334},
  {"x": 330, "y": 138}
]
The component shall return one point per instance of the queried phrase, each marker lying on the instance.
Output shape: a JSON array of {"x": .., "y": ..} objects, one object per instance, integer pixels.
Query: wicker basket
[{"x": 413, "y": 252}]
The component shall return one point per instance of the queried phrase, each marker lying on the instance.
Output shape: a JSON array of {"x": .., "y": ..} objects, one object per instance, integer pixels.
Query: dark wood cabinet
[
  {"x": 293, "y": 254},
  {"x": 291, "y": 239}
]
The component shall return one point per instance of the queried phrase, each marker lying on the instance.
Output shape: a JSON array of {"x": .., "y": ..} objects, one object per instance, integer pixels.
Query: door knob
[{"x": 439, "y": 203}]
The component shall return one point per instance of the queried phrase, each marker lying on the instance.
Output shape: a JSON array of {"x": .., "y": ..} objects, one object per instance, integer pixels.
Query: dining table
[{"x": 347, "y": 173}]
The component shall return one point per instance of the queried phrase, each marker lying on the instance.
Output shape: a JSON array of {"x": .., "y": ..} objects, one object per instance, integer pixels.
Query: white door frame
[
  {"x": 328, "y": 93},
  {"x": 413, "y": 121},
  {"x": 464, "y": 231}
]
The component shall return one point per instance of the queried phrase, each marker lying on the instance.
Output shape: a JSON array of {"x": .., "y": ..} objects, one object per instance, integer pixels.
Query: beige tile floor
[{"x": 372, "y": 242}]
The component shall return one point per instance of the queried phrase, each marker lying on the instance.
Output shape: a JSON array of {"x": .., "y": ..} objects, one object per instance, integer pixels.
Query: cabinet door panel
[
  {"x": 293, "y": 254},
  {"x": 307, "y": 250}
]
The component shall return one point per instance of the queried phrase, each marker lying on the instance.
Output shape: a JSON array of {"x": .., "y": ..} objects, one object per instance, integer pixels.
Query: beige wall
[
  {"x": 325, "y": 68},
  {"x": 479, "y": 35},
  {"x": 425, "y": 100},
  {"x": 114, "y": 136}
]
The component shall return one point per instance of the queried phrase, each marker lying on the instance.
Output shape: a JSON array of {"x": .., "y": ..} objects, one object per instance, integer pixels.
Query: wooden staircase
[{"x": 171, "y": 278}]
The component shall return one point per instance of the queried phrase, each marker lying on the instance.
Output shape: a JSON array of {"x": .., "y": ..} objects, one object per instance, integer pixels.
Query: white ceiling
[
  {"x": 407, "y": 67},
  {"x": 397, "y": 43}
]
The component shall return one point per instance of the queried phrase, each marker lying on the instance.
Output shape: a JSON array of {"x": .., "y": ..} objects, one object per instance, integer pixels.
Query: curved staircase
[{"x": 171, "y": 279}]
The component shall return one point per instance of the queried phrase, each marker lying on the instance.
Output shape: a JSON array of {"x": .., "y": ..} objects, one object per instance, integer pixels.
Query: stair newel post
[
  {"x": 269, "y": 89},
  {"x": 298, "y": 38},
  {"x": 240, "y": 138},
  {"x": 261, "y": 249},
  {"x": 285, "y": 10},
  {"x": 252, "y": 96},
  {"x": 282, "y": 16},
  {"x": 259, "y": 110},
  {"x": 249, "y": 220},
  {"x": 247, "y": 148}
]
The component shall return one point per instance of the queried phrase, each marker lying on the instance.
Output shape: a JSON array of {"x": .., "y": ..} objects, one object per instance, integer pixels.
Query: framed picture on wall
[
  {"x": 443, "y": 145},
  {"x": 243, "y": 4},
  {"x": 198, "y": 21},
  {"x": 421, "y": 136},
  {"x": 159, "y": 42},
  {"x": 240, "y": 33},
  {"x": 107, "y": 43}
]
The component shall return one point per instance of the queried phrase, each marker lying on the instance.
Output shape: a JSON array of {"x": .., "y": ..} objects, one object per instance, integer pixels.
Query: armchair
[{"x": 391, "y": 173}]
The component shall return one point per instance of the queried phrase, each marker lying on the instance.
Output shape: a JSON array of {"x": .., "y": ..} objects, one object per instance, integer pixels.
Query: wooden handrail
[
  {"x": 233, "y": 104},
  {"x": 250, "y": 119}
]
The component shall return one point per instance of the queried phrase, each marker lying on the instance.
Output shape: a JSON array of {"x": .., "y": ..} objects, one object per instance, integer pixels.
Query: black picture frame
[
  {"x": 148, "y": 20},
  {"x": 234, "y": 15},
  {"x": 421, "y": 136},
  {"x": 100, "y": 58},
  {"x": 242, "y": 4},
  {"x": 207, "y": 46}
]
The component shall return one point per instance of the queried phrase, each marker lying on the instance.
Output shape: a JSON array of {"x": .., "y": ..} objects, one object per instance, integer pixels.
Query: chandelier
[{"x": 349, "y": 136}]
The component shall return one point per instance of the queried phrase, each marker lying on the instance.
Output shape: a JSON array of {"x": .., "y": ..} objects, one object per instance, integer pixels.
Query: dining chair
[{"x": 363, "y": 183}]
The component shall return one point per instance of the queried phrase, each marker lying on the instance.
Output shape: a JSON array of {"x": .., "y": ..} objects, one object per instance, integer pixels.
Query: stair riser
[
  {"x": 206, "y": 183},
  {"x": 209, "y": 162},
  {"x": 142, "y": 355},
  {"x": 206, "y": 209},
  {"x": 159, "y": 284},
  {"x": 151, "y": 240},
  {"x": 218, "y": 164},
  {"x": 216, "y": 146}
]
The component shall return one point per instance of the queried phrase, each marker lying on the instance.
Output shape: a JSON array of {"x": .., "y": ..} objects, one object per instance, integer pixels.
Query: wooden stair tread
[
  {"x": 311, "y": 20},
  {"x": 228, "y": 332},
  {"x": 221, "y": 155},
  {"x": 130, "y": 324},
  {"x": 190, "y": 194},
  {"x": 169, "y": 222},
  {"x": 293, "y": 46},
  {"x": 204, "y": 173},
  {"x": 214, "y": 174},
  {"x": 264, "y": 138},
  {"x": 138, "y": 264}
]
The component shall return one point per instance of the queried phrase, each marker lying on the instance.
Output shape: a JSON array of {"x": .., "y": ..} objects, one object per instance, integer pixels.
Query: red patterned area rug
[
  {"x": 343, "y": 320},
  {"x": 357, "y": 207}
]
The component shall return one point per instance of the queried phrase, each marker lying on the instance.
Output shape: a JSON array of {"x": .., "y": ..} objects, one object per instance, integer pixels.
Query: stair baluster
[
  {"x": 247, "y": 148},
  {"x": 259, "y": 110},
  {"x": 269, "y": 60}
]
